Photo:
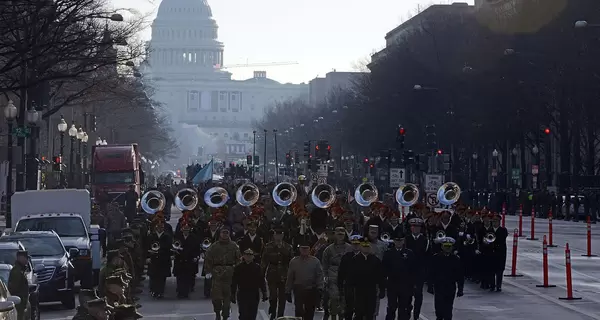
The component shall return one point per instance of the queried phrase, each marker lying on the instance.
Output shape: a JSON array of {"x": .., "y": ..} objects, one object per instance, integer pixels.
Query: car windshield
[
  {"x": 42, "y": 246},
  {"x": 114, "y": 177},
  {"x": 63, "y": 226},
  {"x": 4, "y": 275},
  {"x": 8, "y": 256}
]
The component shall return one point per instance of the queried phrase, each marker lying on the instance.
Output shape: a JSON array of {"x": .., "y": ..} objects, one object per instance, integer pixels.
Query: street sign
[
  {"x": 535, "y": 169},
  {"x": 494, "y": 173},
  {"x": 21, "y": 132},
  {"x": 314, "y": 176},
  {"x": 432, "y": 200},
  {"x": 516, "y": 174},
  {"x": 323, "y": 170},
  {"x": 322, "y": 180},
  {"x": 397, "y": 177},
  {"x": 433, "y": 182}
]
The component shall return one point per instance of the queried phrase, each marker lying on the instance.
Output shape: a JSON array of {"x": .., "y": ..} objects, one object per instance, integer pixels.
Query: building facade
[
  {"x": 321, "y": 88},
  {"x": 186, "y": 64}
]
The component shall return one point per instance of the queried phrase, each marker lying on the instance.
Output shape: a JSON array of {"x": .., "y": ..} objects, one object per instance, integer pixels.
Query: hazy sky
[{"x": 321, "y": 35}]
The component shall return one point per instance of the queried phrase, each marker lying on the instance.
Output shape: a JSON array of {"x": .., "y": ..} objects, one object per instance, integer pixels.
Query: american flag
[{"x": 217, "y": 66}]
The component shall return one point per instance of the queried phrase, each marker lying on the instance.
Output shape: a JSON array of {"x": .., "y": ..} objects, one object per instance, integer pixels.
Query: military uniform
[
  {"x": 332, "y": 258},
  {"x": 112, "y": 263},
  {"x": 93, "y": 310},
  {"x": 159, "y": 268},
  {"x": 446, "y": 277},
  {"x": 18, "y": 284},
  {"x": 185, "y": 265},
  {"x": 274, "y": 264},
  {"x": 219, "y": 262},
  {"x": 248, "y": 281},
  {"x": 126, "y": 312}
]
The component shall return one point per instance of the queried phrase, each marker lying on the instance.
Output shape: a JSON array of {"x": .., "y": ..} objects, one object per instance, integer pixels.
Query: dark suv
[
  {"x": 49, "y": 256},
  {"x": 8, "y": 256}
]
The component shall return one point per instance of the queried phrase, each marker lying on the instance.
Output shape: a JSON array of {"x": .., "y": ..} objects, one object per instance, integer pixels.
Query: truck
[
  {"x": 68, "y": 213},
  {"x": 114, "y": 168}
]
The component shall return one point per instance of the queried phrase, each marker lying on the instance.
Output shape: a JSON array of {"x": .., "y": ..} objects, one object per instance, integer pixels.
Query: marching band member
[
  {"x": 376, "y": 217},
  {"x": 378, "y": 247},
  {"x": 331, "y": 260},
  {"x": 418, "y": 243},
  {"x": 399, "y": 266},
  {"x": 349, "y": 226},
  {"x": 159, "y": 268},
  {"x": 250, "y": 240},
  {"x": 305, "y": 281},
  {"x": 247, "y": 282},
  {"x": 274, "y": 264},
  {"x": 211, "y": 235},
  {"x": 344, "y": 283},
  {"x": 185, "y": 264},
  {"x": 499, "y": 261},
  {"x": 366, "y": 278},
  {"x": 446, "y": 278},
  {"x": 392, "y": 225},
  {"x": 219, "y": 262},
  {"x": 487, "y": 255}
]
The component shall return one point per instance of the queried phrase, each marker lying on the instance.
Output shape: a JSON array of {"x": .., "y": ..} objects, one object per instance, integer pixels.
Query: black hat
[
  {"x": 399, "y": 236},
  {"x": 303, "y": 243},
  {"x": 126, "y": 311},
  {"x": 278, "y": 231},
  {"x": 248, "y": 251},
  {"x": 22, "y": 253}
]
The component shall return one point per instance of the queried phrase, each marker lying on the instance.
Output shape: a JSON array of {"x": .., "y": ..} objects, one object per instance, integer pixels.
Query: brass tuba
[
  {"x": 206, "y": 243},
  {"x": 323, "y": 196},
  {"x": 186, "y": 199},
  {"x": 216, "y": 197},
  {"x": 365, "y": 194},
  {"x": 386, "y": 237},
  {"x": 448, "y": 193},
  {"x": 489, "y": 238},
  {"x": 177, "y": 245},
  {"x": 247, "y": 194},
  {"x": 441, "y": 234},
  {"x": 284, "y": 194},
  {"x": 407, "y": 195},
  {"x": 153, "y": 201}
]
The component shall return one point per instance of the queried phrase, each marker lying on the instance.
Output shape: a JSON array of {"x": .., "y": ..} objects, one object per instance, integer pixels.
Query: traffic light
[
  {"x": 57, "y": 164},
  {"x": 447, "y": 164},
  {"x": 288, "y": 159},
  {"x": 322, "y": 150},
  {"x": 547, "y": 131},
  {"x": 256, "y": 160},
  {"x": 328, "y": 152},
  {"x": 430, "y": 137},
  {"x": 249, "y": 160},
  {"x": 409, "y": 157},
  {"x": 371, "y": 165},
  {"x": 307, "y": 149},
  {"x": 400, "y": 136},
  {"x": 296, "y": 157},
  {"x": 439, "y": 152}
]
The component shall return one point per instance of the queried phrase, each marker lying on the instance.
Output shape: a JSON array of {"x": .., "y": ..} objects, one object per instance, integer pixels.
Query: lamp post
[
  {"x": 73, "y": 135},
  {"x": 536, "y": 153},
  {"x": 495, "y": 169},
  {"x": 62, "y": 128},
  {"x": 253, "y": 154},
  {"x": 265, "y": 159},
  {"x": 276, "y": 160},
  {"x": 31, "y": 171},
  {"x": 10, "y": 113},
  {"x": 474, "y": 169},
  {"x": 79, "y": 136},
  {"x": 84, "y": 140}
]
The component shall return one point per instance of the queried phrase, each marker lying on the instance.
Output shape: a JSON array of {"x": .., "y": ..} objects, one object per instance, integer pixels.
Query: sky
[{"x": 320, "y": 35}]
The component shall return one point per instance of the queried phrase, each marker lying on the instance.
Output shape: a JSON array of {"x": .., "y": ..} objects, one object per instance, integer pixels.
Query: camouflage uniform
[
  {"x": 274, "y": 264},
  {"x": 219, "y": 261},
  {"x": 332, "y": 257}
]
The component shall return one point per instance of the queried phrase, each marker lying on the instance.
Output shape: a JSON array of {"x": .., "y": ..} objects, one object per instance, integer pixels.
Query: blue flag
[{"x": 205, "y": 174}]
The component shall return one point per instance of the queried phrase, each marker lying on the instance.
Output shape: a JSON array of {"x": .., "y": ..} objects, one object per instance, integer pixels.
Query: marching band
[{"x": 314, "y": 250}]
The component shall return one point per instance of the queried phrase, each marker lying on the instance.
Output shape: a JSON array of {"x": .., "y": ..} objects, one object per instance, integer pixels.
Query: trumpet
[
  {"x": 206, "y": 243},
  {"x": 153, "y": 201},
  {"x": 448, "y": 193},
  {"x": 154, "y": 247},
  {"x": 469, "y": 241},
  {"x": 247, "y": 194},
  {"x": 177, "y": 245},
  {"x": 489, "y": 238},
  {"x": 365, "y": 194},
  {"x": 323, "y": 195},
  {"x": 386, "y": 237},
  {"x": 284, "y": 194},
  {"x": 186, "y": 199},
  {"x": 216, "y": 197},
  {"x": 441, "y": 234},
  {"x": 407, "y": 195}
]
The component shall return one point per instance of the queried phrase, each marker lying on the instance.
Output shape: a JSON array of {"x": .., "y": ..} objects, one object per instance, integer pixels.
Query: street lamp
[
  {"x": 62, "y": 128},
  {"x": 276, "y": 160},
  {"x": 265, "y": 158},
  {"x": 515, "y": 152},
  {"x": 535, "y": 150},
  {"x": 80, "y": 134},
  {"x": 10, "y": 113},
  {"x": 581, "y": 24},
  {"x": 31, "y": 162},
  {"x": 509, "y": 52},
  {"x": 73, "y": 135},
  {"x": 253, "y": 154},
  {"x": 475, "y": 155},
  {"x": 495, "y": 153},
  {"x": 84, "y": 140},
  {"x": 334, "y": 111},
  {"x": 417, "y": 87}
]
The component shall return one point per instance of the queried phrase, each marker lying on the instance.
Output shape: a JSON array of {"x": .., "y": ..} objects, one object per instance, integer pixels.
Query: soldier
[
  {"x": 418, "y": 243},
  {"x": 332, "y": 257},
  {"x": 367, "y": 279},
  {"x": 185, "y": 265},
  {"x": 250, "y": 240},
  {"x": 399, "y": 268},
  {"x": 345, "y": 286},
  {"x": 126, "y": 312},
  {"x": 305, "y": 280},
  {"x": 115, "y": 290},
  {"x": 274, "y": 264},
  {"x": 159, "y": 268},
  {"x": 18, "y": 284},
  {"x": 96, "y": 309},
  {"x": 220, "y": 260},
  {"x": 115, "y": 223},
  {"x": 113, "y": 261},
  {"x": 499, "y": 256},
  {"x": 392, "y": 226},
  {"x": 446, "y": 277},
  {"x": 247, "y": 281}
]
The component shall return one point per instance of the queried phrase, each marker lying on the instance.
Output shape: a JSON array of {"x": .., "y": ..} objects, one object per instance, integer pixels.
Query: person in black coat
[
  {"x": 365, "y": 277},
  {"x": 399, "y": 264},
  {"x": 446, "y": 278},
  {"x": 251, "y": 240},
  {"x": 392, "y": 226},
  {"x": 344, "y": 282},
  {"x": 499, "y": 253},
  {"x": 247, "y": 282},
  {"x": 185, "y": 265},
  {"x": 159, "y": 268},
  {"x": 418, "y": 243}
]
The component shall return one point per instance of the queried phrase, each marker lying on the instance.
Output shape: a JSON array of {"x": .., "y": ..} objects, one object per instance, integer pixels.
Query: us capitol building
[{"x": 212, "y": 113}]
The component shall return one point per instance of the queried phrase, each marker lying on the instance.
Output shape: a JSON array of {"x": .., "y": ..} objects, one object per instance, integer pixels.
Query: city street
[{"x": 519, "y": 300}]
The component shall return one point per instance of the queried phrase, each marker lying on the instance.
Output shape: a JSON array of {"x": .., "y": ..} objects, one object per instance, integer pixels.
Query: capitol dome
[{"x": 185, "y": 39}]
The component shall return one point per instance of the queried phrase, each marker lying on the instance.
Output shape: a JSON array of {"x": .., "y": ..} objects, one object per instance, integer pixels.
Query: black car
[
  {"x": 48, "y": 253},
  {"x": 8, "y": 256}
]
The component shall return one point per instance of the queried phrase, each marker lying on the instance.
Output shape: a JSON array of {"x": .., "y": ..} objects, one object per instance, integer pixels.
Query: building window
[{"x": 246, "y": 135}]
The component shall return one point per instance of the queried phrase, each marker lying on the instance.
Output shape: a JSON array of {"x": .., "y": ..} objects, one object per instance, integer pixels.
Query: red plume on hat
[
  {"x": 336, "y": 211},
  {"x": 257, "y": 211}
]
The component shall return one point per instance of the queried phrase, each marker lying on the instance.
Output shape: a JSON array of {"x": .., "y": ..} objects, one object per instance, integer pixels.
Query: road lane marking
[{"x": 552, "y": 299}]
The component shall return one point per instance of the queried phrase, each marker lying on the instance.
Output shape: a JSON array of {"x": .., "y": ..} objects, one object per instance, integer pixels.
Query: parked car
[
  {"x": 8, "y": 303},
  {"x": 55, "y": 275},
  {"x": 8, "y": 256}
]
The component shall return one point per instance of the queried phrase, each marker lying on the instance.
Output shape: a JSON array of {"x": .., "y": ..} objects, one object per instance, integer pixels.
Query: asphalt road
[{"x": 519, "y": 300}]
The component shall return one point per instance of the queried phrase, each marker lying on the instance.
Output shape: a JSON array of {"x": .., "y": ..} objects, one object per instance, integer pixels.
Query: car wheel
[{"x": 69, "y": 301}]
